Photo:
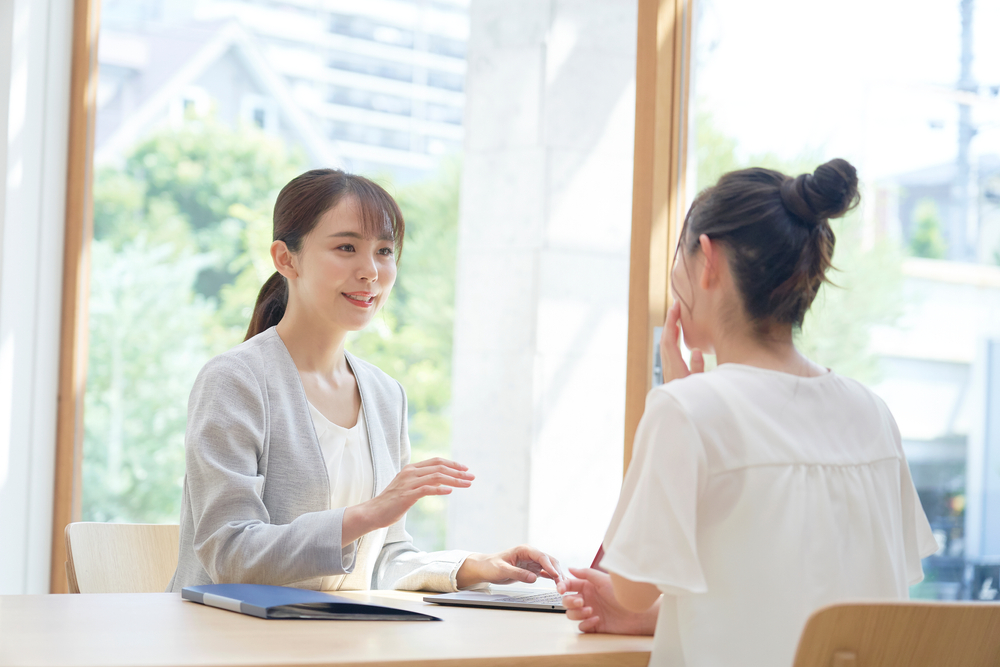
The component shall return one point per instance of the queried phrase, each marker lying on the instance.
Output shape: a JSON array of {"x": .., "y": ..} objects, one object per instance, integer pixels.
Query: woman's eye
[
  {"x": 385, "y": 251},
  {"x": 348, "y": 247}
]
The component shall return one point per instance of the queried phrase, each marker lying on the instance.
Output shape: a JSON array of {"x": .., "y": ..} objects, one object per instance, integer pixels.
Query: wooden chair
[
  {"x": 902, "y": 634},
  {"x": 120, "y": 557}
]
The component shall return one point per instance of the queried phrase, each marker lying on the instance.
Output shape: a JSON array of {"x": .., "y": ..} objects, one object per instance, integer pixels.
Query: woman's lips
[{"x": 360, "y": 299}]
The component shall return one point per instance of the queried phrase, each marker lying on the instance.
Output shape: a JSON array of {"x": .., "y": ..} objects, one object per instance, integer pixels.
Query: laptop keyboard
[{"x": 534, "y": 598}]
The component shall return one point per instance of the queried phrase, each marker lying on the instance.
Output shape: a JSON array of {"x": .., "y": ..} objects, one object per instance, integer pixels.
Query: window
[
  {"x": 366, "y": 28},
  {"x": 885, "y": 84},
  {"x": 444, "y": 114},
  {"x": 260, "y": 111},
  {"x": 367, "y": 134},
  {"x": 446, "y": 46},
  {"x": 365, "y": 99},
  {"x": 183, "y": 193},
  {"x": 193, "y": 102},
  {"x": 446, "y": 80},
  {"x": 373, "y": 66}
]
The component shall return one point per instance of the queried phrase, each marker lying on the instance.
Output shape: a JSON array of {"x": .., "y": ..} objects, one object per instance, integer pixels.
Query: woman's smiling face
[{"x": 344, "y": 276}]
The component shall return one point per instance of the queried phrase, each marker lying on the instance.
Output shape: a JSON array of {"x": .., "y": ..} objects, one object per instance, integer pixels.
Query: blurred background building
[{"x": 374, "y": 87}]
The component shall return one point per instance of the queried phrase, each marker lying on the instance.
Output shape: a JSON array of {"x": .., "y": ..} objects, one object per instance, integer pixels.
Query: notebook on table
[{"x": 283, "y": 602}]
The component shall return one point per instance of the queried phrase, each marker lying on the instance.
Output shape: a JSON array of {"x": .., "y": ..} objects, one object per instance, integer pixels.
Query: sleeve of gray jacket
[
  {"x": 401, "y": 565},
  {"x": 233, "y": 535}
]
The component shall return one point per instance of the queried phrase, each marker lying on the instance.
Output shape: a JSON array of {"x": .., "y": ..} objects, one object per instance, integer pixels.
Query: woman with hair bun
[
  {"x": 770, "y": 486},
  {"x": 298, "y": 461}
]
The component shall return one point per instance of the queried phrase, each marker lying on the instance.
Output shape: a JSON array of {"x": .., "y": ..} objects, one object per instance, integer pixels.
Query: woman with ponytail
[
  {"x": 770, "y": 486},
  {"x": 298, "y": 461}
]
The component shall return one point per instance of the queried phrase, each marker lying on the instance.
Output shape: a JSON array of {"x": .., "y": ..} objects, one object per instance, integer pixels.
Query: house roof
[{"x": 163, "y": 61}]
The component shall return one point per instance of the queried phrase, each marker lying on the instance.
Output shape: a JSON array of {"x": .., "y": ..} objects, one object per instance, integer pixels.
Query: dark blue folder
[{"x": 285, "y": 603}]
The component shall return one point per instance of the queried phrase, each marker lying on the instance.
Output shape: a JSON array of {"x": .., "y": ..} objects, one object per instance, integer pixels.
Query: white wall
[
  {"x": 35, "y": 49},
  {"x": 541, "y": 312}
]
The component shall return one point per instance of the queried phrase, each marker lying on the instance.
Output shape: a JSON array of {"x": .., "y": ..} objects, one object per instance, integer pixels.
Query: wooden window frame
[
  {"x": 67, "y": 494},
  {"x": 662, "y": 76},
  {"x": 663, "y": 55}
]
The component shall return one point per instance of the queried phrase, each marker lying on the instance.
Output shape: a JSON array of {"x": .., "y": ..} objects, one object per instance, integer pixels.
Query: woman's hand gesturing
[
  {"x": 671, "y": 358},
  {"x": 433, "y": 477}
]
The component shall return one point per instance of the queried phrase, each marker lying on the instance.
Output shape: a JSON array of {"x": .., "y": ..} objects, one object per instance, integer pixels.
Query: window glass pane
[
  {"x": 205, "y": 110},
  {"x": 365, "y": 65},
  {"x": 364, "y": 27},
  {"x": 507, "y": 325},
  {"x": 906, "y": 91}
]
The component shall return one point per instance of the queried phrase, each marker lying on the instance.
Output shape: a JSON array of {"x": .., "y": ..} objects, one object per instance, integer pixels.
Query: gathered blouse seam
[{"x": 790, "y": 464}]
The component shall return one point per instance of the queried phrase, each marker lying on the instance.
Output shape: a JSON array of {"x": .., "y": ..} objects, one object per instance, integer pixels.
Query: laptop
[
  {"x": 502, "y": 597},
  {"x": 496, "y": 598}
]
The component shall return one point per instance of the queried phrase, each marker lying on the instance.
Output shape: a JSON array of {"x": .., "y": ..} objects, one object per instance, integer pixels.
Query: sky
[{"x": 868, "y": 80}]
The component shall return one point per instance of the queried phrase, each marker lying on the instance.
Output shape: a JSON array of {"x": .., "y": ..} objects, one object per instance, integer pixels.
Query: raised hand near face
[{"x": 674, "y": 366}]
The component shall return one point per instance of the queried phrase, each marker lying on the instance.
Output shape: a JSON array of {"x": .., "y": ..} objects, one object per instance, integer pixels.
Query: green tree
[
  {"x": 715, "y": 151},
  {"x": 200, "y": 186},
  {"x": 146, "y": 347},
  {"x": 927, "y": 240},
  {"x": 170, "y": 228},
  {"x": 865, "y": 291}
]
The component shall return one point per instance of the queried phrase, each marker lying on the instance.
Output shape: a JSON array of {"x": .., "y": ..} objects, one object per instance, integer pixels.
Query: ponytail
[{"x": 270, "y": 306}]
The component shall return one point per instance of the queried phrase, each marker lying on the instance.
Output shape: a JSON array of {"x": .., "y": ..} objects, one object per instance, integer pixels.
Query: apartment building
[{"x": 381, "y": 82}]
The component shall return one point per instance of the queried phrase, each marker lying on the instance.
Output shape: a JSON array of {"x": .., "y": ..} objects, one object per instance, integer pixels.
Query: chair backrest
[
  {"x": 902, "y": 634},
  {"x": 120, "y": 557}
]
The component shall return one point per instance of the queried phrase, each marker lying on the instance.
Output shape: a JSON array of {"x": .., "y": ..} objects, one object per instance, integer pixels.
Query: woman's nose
[{"x": 368, "y": 270}]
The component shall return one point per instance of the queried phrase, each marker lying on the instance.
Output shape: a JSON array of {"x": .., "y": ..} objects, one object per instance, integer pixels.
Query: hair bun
[{"x": 829, "y": 192}]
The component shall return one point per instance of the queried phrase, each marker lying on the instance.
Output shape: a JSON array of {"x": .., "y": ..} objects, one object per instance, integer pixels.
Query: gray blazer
[{"x": 256, "y": 503}]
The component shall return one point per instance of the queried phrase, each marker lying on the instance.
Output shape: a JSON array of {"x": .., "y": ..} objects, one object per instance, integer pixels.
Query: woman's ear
[
  {"x": 710, "y": 269},
  {"x": 283, "y": 260}
]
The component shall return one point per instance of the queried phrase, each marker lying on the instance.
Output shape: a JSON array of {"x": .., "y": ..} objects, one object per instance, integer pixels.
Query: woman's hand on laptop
[
  {"x": 590, "y": 599},
  {"x": 521, "y": 563}
]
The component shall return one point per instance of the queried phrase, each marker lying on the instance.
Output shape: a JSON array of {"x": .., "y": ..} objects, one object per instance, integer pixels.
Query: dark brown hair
[
  {"x": 300, "y": 205},
  {"x": 775, "y": 231}
]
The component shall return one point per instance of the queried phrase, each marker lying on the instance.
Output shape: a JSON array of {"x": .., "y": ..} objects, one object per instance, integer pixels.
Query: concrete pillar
[{"x": 542, "y": 284}]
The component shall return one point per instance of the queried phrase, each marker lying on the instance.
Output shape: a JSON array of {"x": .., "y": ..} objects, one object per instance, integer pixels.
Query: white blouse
[
  {"x": 348, "y": 458},
  {"x": 754, "y": 497}
]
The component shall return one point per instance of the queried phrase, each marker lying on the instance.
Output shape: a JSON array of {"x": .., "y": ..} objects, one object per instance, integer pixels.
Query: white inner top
[
  {"x": 755, "y": 497},
  {"x": 348, "y": 458}
]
